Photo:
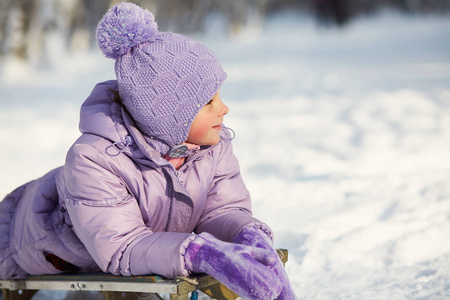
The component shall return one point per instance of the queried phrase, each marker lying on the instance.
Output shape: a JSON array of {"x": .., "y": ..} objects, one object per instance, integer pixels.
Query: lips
[{"x": 217, "y": 127}]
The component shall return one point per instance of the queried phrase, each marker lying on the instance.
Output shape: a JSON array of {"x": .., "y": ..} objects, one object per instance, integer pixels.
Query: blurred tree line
[{"x": 26, "y": 25}]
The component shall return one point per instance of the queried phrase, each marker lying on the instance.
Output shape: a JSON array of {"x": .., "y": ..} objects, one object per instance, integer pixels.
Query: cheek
[
  {"x": 201, "y": 123},
  {"x": 194, "y": 132},
  {"x": 198, "y": 129}
]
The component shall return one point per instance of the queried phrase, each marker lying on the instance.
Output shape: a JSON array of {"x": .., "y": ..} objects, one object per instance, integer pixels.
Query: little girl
[{"x": 152, "y": 185}]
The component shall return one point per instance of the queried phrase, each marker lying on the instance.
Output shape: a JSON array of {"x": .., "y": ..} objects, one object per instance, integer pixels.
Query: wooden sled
[{"x": 121, "y": 287}]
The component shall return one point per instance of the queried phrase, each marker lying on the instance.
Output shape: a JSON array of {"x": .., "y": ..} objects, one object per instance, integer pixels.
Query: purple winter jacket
[{"x": 121, "y": 209}]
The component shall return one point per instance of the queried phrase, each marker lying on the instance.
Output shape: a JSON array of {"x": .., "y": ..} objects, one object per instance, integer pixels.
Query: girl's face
[{"x": 205, "y": 129}]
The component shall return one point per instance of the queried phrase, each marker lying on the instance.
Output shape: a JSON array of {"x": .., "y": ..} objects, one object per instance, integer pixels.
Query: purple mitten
[
  {"x": 244, "y": 269},
  {"x": 256, "y": 237}
]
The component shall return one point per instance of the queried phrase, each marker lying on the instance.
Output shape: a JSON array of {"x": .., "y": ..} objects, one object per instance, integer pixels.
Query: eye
[{"x": 210, "y": 101}]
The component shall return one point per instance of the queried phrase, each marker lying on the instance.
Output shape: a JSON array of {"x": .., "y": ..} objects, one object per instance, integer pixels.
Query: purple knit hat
[{"x": 164, "y": 78}]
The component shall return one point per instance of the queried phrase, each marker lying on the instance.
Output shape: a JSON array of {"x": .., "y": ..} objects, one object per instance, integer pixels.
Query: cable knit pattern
[{"x": 164, "y": 79}]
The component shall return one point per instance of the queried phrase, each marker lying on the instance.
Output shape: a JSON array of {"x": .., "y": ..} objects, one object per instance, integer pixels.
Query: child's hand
[
  {"x": 255, "y": 237},
  {"x": 244, "y": 269}
]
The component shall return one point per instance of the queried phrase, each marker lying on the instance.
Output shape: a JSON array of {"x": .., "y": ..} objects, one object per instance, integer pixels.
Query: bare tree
[
  {"x": 26, "y": 24},
  {"x": 5, "y": 9}
]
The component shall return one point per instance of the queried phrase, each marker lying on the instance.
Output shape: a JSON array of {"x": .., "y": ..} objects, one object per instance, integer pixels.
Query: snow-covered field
[{"x": 343, "y": 136}]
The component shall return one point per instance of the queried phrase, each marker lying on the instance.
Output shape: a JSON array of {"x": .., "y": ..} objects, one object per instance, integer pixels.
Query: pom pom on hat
[{"x": 123, "y": 27}]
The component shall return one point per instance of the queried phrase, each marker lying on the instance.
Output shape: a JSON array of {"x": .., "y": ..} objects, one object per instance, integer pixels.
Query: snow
[{"x": 343, "y": 137}]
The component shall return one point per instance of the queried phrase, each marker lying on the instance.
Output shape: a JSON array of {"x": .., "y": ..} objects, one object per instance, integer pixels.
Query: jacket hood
[
  {"x": 98, "y": 112},
  {"x": 101, "y": 116}
]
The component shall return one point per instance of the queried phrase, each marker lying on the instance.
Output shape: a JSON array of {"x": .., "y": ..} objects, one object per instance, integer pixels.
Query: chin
[{"x": 212, "y": 143}]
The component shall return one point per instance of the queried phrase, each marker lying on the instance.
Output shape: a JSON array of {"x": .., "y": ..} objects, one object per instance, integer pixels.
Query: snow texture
[{"x": 343, "y": 137}]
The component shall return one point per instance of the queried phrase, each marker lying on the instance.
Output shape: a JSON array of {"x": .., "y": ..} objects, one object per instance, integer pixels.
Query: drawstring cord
[
  {"x": 120, "y": 146},
  {"x": 233, "y": 134}
]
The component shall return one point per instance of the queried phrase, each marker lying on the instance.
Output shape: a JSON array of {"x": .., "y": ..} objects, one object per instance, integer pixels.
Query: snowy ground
[{"x": 343, "y": 136}]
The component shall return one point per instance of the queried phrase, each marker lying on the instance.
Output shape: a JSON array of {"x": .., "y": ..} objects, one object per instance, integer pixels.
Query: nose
[{"x": 223, "y": 109}]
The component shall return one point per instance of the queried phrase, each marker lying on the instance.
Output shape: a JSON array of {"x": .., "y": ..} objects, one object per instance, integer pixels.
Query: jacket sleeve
[
  {"x": 108, "y": 221},
  {"x": 228, "y": 206}
]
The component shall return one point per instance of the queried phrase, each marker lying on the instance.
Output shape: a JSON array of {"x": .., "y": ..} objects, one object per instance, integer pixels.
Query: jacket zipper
[{"x": 177, "y": 174}]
